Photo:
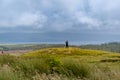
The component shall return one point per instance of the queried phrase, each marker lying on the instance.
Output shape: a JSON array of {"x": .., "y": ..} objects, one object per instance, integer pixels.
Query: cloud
[
  {"x": 89, "y": 21},
  {"x": 30, "y": 19},
  {"x": 25, "y": 19},
  {"x": 108, "y": 8},
  {"x": 61, "y": 15}
]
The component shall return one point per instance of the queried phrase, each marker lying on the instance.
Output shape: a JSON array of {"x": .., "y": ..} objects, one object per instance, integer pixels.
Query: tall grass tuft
[
  {"x": 7, "y": 59},
  {"x": 75, "y": 68},
  {"x": 7, "y": 73},
  {"x": 30, "y": 66}
]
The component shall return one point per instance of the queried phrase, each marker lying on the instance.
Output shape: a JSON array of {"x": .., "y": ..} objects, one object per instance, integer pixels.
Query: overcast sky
[{"x": 80, "y": 18}]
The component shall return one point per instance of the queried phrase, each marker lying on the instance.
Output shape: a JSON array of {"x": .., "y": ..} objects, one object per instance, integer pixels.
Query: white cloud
[
  {"x": 107, "y": 9},
  {"x": 71, "y": 5},
  {"x": 90, "y": 22},
  {"x": 89, "y": 14},
  {"x": 30, "y": 19},
  {"x": 25, "y": 19}
]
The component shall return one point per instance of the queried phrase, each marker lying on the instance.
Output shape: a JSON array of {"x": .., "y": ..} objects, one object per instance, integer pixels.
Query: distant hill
[{"x": 111, "y": 47}]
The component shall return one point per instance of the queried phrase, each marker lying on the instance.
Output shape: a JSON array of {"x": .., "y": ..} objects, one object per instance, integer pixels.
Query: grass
[
  {"x": 61, "y": 64},
  {"x": 74, "y": 68},
  {"x": 7, "y": 73},
  {"x": 64, "y": 51}
]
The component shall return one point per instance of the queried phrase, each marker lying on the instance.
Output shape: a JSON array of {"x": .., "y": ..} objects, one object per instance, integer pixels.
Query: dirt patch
[
  {"x": 15, "y": 51},
  {"x": 110, "y": 60}
]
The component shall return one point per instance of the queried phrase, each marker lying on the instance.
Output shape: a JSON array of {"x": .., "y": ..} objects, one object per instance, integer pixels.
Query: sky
[{"x": 80, "y": 21}]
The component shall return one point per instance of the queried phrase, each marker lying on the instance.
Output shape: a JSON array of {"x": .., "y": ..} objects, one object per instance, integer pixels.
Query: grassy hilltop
[{"x": 61, "y": 64}]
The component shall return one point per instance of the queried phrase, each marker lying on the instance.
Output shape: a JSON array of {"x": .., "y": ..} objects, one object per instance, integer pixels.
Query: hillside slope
[
  {"x": 74, "y": 53},
  {"x": 61, "y": 64}
]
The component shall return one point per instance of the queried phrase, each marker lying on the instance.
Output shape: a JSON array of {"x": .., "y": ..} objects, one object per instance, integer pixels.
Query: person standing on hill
[
  {"x": 2, "y": 52},
  {"x": 66, "y": 44}
]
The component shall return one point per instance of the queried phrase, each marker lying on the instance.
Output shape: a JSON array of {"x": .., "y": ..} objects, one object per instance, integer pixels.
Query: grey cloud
[{"x": 61, "y": 15}]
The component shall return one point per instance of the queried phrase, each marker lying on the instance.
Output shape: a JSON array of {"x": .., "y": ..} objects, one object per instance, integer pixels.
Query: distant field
[
  {"x": 28, "y": 46},
  {"x": 15, "y": 51},
  {"x": 111, "y": 47},
  {"x": 61, "y": 64}
]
